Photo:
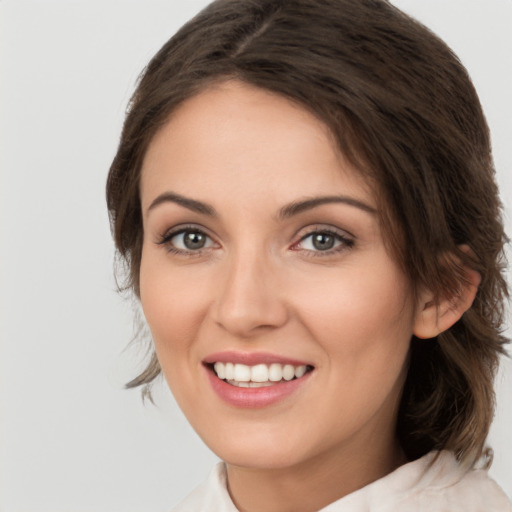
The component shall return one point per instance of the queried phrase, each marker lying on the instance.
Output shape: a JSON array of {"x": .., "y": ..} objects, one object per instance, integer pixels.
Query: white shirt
[{"x": 414, "y": 487}]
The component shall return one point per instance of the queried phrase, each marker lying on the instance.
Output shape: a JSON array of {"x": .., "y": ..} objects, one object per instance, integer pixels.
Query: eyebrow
[
  {"x": 285, "y": 212},
  {"x": 191, "y": 204},
  {"x": 300, "y": 206}
]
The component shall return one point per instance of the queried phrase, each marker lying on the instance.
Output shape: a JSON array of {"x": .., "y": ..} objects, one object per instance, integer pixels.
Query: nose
[{"x": 250, "y": 298}]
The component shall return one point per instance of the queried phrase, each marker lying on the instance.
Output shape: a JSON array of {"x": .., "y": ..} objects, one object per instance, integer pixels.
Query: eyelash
[
  {"x": 346, "y": 242},
  {"x": 166, "y": 238}
]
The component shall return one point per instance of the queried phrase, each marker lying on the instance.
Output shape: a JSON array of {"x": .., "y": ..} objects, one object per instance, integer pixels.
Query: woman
[{"x": 304, "y": 195}]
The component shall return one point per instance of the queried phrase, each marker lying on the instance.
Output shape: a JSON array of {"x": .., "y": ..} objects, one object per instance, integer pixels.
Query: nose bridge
[{"x": 249, "y": 298}]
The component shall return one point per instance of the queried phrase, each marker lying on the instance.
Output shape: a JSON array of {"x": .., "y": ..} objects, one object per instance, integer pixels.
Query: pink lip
[
  {"x": 252, "y": 398},
  {"x": 250, "y": 358}
]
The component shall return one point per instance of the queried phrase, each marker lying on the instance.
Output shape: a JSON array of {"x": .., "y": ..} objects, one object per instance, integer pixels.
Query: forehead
[{"x": 233, "y": 135}]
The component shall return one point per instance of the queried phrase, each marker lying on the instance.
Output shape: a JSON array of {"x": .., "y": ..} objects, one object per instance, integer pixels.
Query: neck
[{"x": 315, "y": 483}]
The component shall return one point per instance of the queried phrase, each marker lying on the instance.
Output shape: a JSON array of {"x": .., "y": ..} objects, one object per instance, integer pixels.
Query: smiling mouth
[{"x": 259, "y": 375}]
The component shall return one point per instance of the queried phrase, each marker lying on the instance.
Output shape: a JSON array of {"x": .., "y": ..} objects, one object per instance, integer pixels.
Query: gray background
[{"x": 70, "y": 438}]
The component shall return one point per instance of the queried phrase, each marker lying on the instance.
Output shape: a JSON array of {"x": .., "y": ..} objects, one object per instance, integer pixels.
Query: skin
[{"x": 260, "y": 285}]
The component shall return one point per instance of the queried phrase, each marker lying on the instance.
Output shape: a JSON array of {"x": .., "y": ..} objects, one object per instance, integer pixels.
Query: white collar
[{"x": 428, "y": 484}]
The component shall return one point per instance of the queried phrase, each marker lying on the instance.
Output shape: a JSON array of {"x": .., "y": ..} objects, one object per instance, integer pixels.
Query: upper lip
[{"x": 252, "y": 358}]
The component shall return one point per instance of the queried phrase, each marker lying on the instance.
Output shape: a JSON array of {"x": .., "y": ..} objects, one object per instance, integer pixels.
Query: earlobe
[{"x": 434, "y": 318}]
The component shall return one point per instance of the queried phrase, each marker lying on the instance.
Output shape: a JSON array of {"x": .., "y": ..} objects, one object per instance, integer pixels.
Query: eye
[
  {"x": 319, "y": 242},
  {"x": 186, "y": 240},
  {"x": 325, "y": 241},
  {"x": 191, "y": 240}
]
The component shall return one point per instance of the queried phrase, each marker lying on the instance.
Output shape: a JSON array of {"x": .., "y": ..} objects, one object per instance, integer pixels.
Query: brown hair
[{"x": 403, "y": 109}]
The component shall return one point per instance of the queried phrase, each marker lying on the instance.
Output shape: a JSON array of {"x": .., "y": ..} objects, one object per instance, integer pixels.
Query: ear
[{"x": 434, "y": 318}]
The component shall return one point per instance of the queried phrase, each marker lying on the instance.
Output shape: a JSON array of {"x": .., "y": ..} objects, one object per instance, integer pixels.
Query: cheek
[
  {"x": 366, "y": 311},
  {"x": 174, "y": 307},
  {"x": 363, "y": 323},
  {"x": 173, "y": 304}
]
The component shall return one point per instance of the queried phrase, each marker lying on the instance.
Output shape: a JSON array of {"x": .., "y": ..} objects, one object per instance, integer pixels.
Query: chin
[
  {"x": 259, "y": 450},
  {"x": 246, "y": 457}
]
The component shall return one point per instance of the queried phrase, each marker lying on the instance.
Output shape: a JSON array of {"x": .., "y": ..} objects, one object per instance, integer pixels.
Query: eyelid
[
  {"x": 347, "y": 239},
  {"x": 179, "y": 228},
  {"x": 165, "y": 238}
]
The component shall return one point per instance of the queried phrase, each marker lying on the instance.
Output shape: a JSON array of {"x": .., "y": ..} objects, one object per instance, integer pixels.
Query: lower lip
[{"x": 252, "y": 398}]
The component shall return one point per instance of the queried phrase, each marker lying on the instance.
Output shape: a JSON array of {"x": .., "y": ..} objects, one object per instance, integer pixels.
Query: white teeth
[
  {"x": 242, "y": 373},
  {"x": 259, "y": 375},
  {"x": 220, "y": 370},
  {"x": 229, "y": 371},
  {"x": 288, "y": 372},
  {"x": 300, "y": 371},
  {"x": 259, "y": 384},
  {"x": 275, "y": 372},
  {"x": 250, "y": 384}
]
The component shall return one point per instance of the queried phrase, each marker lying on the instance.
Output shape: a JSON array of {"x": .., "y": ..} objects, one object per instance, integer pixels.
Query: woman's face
[{"x": 262, "y": 252}]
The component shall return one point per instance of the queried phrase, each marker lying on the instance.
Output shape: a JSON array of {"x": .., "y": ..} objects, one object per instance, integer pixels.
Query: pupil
[
  {"x": 323, "y": 241},
  {"x": 194, "y": 240}
]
